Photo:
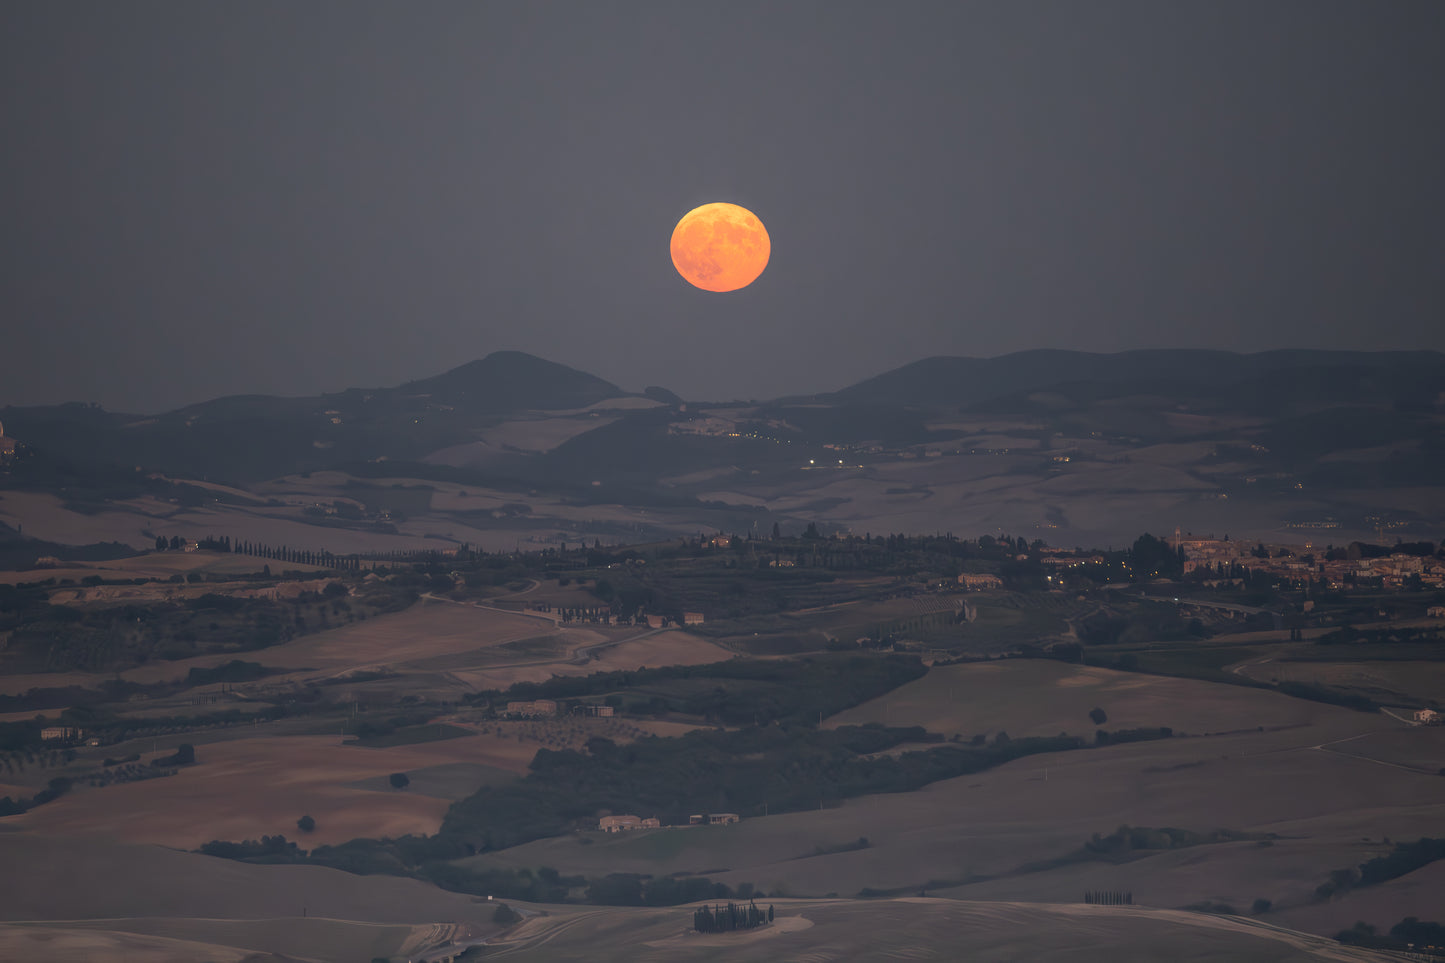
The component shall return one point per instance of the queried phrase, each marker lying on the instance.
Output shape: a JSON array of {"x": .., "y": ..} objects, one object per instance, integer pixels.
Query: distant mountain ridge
[
  {"x": 943, "y": 381},
  {"x": 501, "y": 383},
  {"x": 247, "y": 438},
  {"x": 254, "y": 437}
]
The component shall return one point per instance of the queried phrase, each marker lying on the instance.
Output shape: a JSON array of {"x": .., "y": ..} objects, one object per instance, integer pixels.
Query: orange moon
[{"x": 720, "y": 247}]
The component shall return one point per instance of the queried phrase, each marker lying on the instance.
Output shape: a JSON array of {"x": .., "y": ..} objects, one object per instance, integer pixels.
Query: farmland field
[
  {"x": 245, "y": 787},
  {"x": 1274, "y": 766},
  {"x": 1407, "y": 682},
  {"x": 912, "y": 928},
  {"x": 1029, "y": 697},
  {"x": 298, "y": 911}
]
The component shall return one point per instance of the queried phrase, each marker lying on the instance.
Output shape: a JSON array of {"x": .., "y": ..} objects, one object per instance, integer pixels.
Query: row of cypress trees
[{"x": 1109, "y": 897}]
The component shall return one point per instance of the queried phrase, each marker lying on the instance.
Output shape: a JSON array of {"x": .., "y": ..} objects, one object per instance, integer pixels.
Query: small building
[
  {"x": 593, "y": 709},
  {"x": 1436, "y": 611},
  {"x": 979, "y": 582},
  {"x": 713, "y": 819},
  {"x": 1428, "y": 717},
  {"x": 50, "y": 733},
  {"x": 531, "y": 710},
  {"x": 623, "y": 823},
  {"x": 692, "y": 618},
  {"x": 656, "y": 621}
]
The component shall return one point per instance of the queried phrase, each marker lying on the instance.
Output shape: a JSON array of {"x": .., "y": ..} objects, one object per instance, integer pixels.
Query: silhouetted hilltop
[
  {"x": 244, "y": 438},
  {"x": 513, "y": 381}
]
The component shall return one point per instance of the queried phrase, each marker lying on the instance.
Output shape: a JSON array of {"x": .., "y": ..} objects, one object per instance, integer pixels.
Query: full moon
[{"x": 720, "y": 247}]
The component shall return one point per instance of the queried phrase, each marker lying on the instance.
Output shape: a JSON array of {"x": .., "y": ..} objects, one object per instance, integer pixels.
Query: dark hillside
[
  {"x": 513, "y": 381},
  {"x": 1261, "y": 378}
]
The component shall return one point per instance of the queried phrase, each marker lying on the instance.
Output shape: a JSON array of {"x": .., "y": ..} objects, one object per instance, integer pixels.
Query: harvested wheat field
[
  {"x": 648, "y": 649},
  {"x": 298, "y": 937},
  {"x": 1032, "y": 697},
  {"x": 247, "y": 788},
  {"x": 113, "y": 897},
  {"x": 1008, "y": 825},
  {"x": 840, "y": 931},
  {"x": 73, "y": 944},
  {"x": 425, "y": 630},
  {"x": 1384, "y": 681}
]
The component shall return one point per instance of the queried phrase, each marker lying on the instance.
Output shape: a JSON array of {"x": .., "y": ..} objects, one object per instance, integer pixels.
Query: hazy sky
[{"x": 215, "y": 198}]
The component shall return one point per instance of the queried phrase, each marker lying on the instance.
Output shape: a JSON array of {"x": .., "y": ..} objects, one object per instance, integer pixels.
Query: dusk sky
[{"x": 203, "y": 199}]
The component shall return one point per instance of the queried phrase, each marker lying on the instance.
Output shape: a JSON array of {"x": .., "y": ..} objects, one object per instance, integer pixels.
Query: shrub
[
  {"x": 399, "y": 780},
  {"x": 306, "y": 824},
  {"x": 505, "y": 915},
  {"x": 1262, "y": 905},
  {"x": 1098, "y": 715}
]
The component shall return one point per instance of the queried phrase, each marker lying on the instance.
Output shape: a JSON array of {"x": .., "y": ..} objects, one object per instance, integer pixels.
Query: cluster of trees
[
  {"x": 56, "y": 788},
  {"x": 631, "y": 889},
  {"x": 1350, "y": 635},
  {"x": 729, "y": 918},
  {"x": 267, "y": 849},
  {"x": 742, "y": 691},
  {"x": 233, "y": 671},
  {"x": 185, "y": 755},
  {"x": 1105, "y": 738},
  {"x": 1124, "y": 840},
  {"x": 1404, "y": 858},
  {"x": 1411, "y": 932},
  {"x": 1325, "y": 694},
  {"x": 127, "y": 771},
  {"x": 750, "y": 771},
  {"x": 432, "y": 859}
]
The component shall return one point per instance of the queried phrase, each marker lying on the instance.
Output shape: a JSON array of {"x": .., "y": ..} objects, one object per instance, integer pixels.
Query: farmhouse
[
  {"x": 1436, "y": 611},
  {"x": 984, "y": 581},
  {"x": 617, "y": 824},
  {"x": 692, "y": 618},
  {"x": 1428, "y": 717},
  {"x": 591, "y": 709},
  {"x": 713, "y": 819},
  {"x": 531, "y": 710},
  {"x": 61, "y": 732}
]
